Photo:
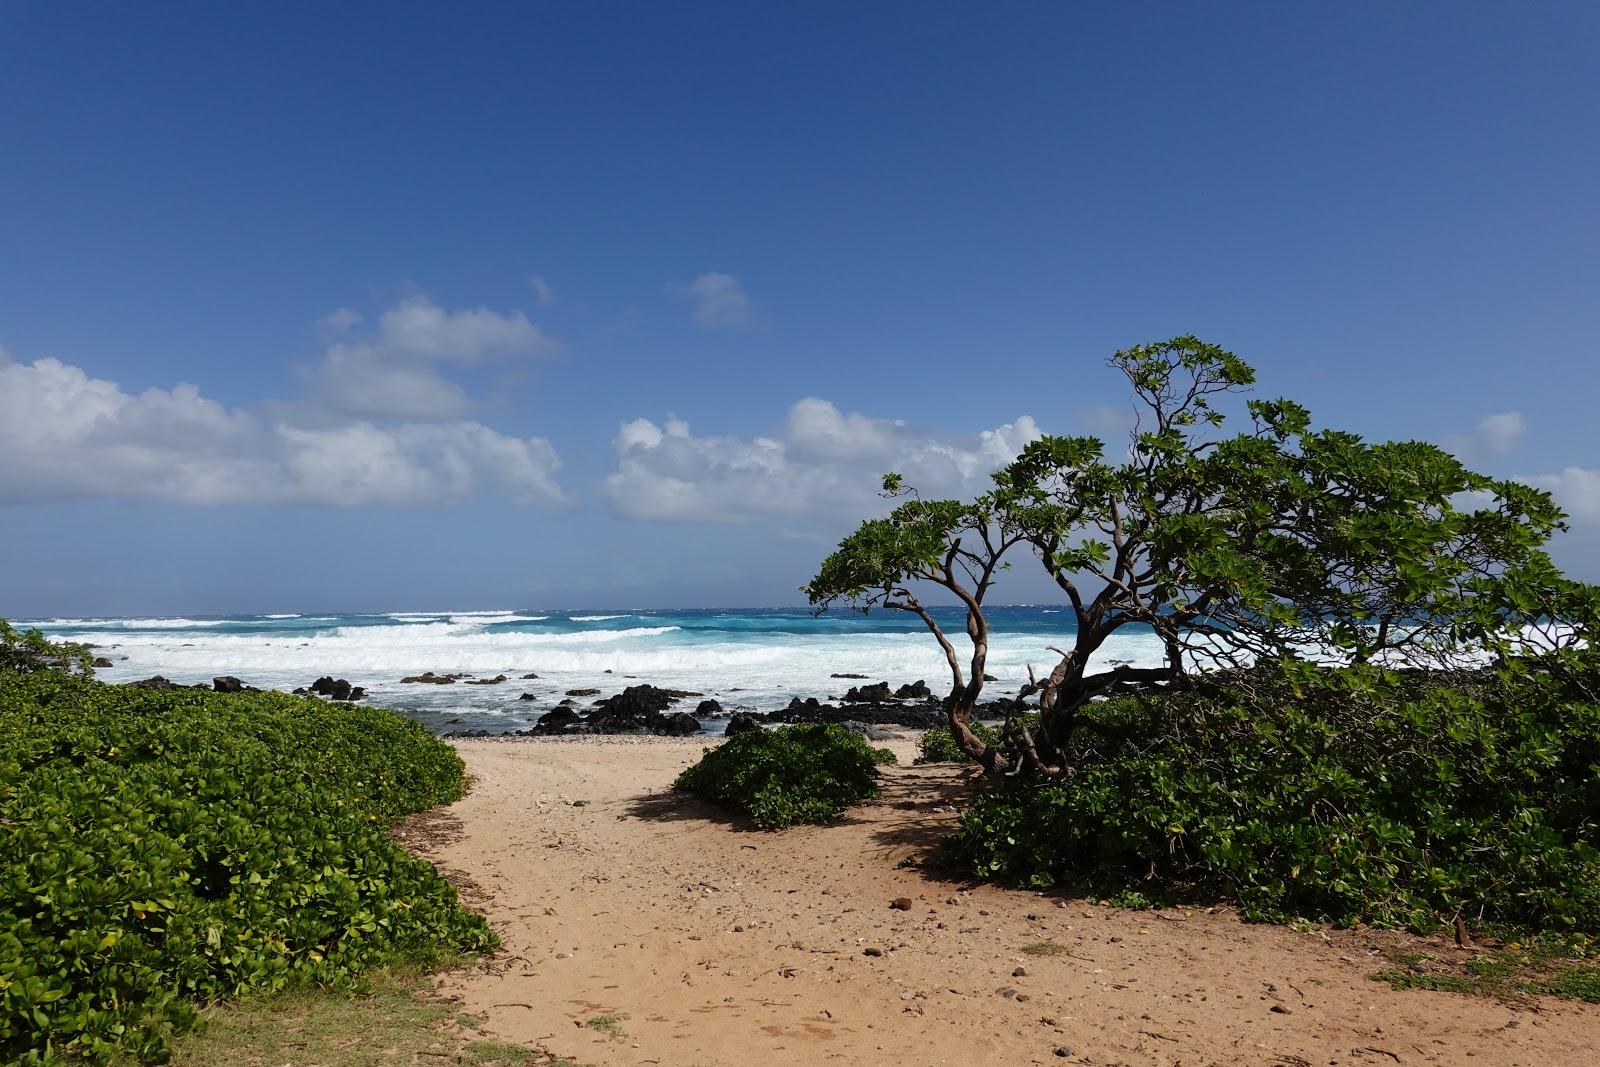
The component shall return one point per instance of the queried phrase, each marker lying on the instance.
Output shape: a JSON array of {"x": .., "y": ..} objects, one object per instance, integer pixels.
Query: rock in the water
[
  {"x": 496, "y": 680},
  {"x": 336, "y": 689},
  {"x": 847, "y": 676},
  {"x": 227, "y": 683},
  {"x": 101, "y": 661},
  {"x": 583, "y": 692},
  {"x": 917, "y": 690},
  {"x": 707, "y": 708},
  {"x": 742, "y": 722},
  {"x": 428, "y": 677},
  {"x": 530, "y": 676},
  {"x": 527, "y": 696}
]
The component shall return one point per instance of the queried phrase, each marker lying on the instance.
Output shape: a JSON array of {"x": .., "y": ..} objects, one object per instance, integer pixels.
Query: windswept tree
[{"x": 1278, "y": 541}]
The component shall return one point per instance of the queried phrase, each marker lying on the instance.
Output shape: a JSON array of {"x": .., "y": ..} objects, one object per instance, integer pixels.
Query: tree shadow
[{"x": 672, "y": 806}]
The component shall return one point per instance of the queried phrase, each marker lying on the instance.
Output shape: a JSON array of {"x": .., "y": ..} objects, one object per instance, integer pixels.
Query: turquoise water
[{"x": 755, "y": 659}]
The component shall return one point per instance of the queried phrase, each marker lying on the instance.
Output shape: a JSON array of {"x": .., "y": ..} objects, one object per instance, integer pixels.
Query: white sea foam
[
  {"x": 594, "y": 618},
  {"x": 277, "y": 616},
  {"x": 443, "y": 614},
  {"x": 139, "y": 624}
]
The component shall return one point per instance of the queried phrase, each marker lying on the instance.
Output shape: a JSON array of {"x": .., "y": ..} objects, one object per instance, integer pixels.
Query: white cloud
[
  {"x": 541, "y": 288},
  {"x": 337, "y": 323},
  {"x": 827, "y": 462},
  {"x": 395, "y": 372},
  {"x": 1498, "y": 433},
  {"x": 719, "y": 301},
  {"x": 1576, "y": 489},
  {"x": 65, "y": 435}
]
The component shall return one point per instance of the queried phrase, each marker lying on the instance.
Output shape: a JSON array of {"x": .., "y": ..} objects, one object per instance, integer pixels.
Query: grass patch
[
  {"x": 1044, "y": 948},
  {"x": 392, "y": 1022},
  {"x": 1545, "y": 966},
  {"x": 610, "y": 1025}
]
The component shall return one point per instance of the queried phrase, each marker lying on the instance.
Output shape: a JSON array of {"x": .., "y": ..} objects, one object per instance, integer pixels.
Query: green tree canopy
[{"x": 1279, "y": 541}]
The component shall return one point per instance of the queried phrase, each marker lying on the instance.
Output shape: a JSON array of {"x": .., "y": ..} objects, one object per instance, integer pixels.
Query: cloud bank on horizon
[{"x": 384, "y": 422}]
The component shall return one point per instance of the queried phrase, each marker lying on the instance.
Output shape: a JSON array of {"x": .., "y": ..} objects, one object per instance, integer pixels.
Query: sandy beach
[{"x": 713, "y": 946}]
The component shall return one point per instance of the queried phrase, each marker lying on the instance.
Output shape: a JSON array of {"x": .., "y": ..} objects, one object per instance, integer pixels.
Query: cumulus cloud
[
  {"x": 66, "y": 435},
  {"x": 1498, "y": 433},
  {"x": 396, "y": 371},
  {"x": 824, "y": 462},
  {"x": 1576, "y": 489},
  {"x": 719, "y": 301}
]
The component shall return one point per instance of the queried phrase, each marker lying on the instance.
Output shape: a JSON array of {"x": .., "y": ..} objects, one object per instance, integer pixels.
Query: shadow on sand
[{"x": 911, "y": 816}]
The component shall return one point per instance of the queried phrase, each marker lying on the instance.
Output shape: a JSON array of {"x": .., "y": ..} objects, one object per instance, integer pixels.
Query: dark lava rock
[
  {"x": 157, "y": 682},
  {"x": 101, "y": 661},
  {"x": 743, "y": 722},
  {"x": 708, "y": 708},
  {"x": 916, "y": 716},
  {"x": 846, "y": 676},
  {"x": 529, "y": 676},
  {"x": 868, "y": 730},
  {"x": 337, "y": 689},
  {"x": 429, "y": 678},
  {"x": 496, "y": 680},
  {"x": 583, "y": 692},
  {"x": 868, "y": 694},
  {"x": 638, "y": 709},
  {"x": 681, "y": 724},
  {"x": 527, "y": 696},
  {"x": 227, "y": 684},
  {"x": 558, "y": 720},
  {"x": 917, "y": 690}
]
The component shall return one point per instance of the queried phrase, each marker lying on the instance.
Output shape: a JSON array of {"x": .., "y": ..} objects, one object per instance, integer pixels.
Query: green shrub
[
  {"x": 164, "y": 848},
  {"x": 26, "y": 651},
  {"x": 1342, "y": 796},
  {"x": 939, "y": 744},
  {"x": 789, "y": 775}
]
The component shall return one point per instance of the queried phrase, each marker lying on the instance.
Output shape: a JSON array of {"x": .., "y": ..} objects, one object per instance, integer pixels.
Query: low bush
[
  {"x": 788, "y": 775},
  {"x": 1345, "y": 796},
  {"x": 164, "y": 848},
  {"x": 939, "y": 744}
]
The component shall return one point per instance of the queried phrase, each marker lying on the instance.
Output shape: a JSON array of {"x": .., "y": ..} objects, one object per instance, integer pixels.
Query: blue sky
[{"x": 405, "y": 277}]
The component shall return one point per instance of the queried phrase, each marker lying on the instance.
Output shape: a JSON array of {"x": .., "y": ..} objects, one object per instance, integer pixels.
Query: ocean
[{"x": 747, "y": 659}]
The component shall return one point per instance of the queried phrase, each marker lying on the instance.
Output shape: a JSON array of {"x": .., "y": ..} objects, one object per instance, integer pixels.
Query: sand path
[{"x": 722, "y": 948}]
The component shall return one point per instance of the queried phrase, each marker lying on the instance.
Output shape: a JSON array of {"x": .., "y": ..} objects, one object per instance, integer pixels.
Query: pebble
[
  {"x": 1020, "y": 972},
  {"x": 901, "y": 904},
  {"x": 563, "y": 955},
  {"x": 1063, "y": 1051},
  {"x": 870, "y": 951}
]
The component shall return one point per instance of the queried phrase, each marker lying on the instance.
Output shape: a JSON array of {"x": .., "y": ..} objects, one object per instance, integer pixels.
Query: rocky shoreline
[{"x": 649, "y": 710}]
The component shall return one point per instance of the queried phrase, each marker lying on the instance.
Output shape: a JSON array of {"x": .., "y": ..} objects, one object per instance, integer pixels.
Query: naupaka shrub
[
  {"x": 1341, "y": 795},
  {"x": 788, "y": 775},
  {"x": 160, "y": 849}
]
